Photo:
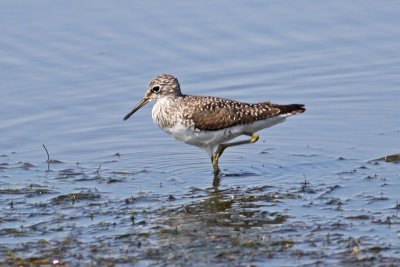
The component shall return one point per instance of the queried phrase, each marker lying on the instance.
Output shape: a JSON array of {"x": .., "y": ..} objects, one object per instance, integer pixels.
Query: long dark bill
[{"x": 138, "y": 106}]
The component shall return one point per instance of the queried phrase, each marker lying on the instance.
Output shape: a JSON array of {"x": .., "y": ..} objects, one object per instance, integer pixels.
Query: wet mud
[{"x": 49, "y": 222}]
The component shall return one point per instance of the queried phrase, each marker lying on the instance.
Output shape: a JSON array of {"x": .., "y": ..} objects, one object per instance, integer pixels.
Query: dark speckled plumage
[{"x": 213, "y": 113}]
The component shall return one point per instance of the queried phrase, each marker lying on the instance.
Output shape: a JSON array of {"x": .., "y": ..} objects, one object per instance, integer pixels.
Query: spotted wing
[{"x": 213, "y": 113}]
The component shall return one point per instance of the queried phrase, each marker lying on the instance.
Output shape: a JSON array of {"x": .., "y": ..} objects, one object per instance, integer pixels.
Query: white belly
[{"x": 209, "y": 140}]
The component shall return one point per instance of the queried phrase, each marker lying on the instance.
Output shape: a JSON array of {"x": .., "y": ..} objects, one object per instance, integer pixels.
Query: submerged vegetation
[{"x": 49, "y": 222}]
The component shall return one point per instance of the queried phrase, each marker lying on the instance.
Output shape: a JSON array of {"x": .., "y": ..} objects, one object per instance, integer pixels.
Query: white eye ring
[{"x": 155, "y": 89}]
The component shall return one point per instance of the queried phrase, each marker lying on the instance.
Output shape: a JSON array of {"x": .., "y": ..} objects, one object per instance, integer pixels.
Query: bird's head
[{"x": 163, "y": 85}]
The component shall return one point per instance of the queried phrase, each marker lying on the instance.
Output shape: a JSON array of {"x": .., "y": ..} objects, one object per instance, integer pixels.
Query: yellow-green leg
[{"x": 221, "y": 148}]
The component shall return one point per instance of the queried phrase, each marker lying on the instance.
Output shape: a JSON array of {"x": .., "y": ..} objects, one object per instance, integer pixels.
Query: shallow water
[{"x": 124, "y": 192}]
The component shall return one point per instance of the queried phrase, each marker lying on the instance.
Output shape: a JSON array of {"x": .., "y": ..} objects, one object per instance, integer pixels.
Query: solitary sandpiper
[{"x": 209, "y": 122}]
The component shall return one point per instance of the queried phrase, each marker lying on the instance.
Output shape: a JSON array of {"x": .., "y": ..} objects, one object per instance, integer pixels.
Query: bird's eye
[{"x": 156, "y": 89}]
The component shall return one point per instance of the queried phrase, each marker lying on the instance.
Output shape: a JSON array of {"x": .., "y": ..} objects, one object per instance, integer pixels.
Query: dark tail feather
[{"x": 289, "y": 109}]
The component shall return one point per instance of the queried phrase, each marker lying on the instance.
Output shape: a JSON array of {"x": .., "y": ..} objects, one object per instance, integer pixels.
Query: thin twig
[
  {"x": 98, "y": 169},
  {"x": 48, "y": 156}
]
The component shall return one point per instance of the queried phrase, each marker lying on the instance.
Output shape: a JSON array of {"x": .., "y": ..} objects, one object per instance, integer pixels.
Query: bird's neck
[{"x": 164, "y": 111}]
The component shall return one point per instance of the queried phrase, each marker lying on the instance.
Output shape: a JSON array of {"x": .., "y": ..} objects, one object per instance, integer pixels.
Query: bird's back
[{"x": 213, "y": 113}]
